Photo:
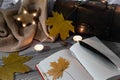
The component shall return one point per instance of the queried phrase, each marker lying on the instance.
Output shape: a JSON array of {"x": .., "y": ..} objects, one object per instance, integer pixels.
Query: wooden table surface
[{"x": 50, "y": 48}]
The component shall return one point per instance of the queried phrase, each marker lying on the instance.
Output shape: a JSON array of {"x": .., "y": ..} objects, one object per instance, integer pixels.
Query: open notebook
[{"x": 80, "y": 63}]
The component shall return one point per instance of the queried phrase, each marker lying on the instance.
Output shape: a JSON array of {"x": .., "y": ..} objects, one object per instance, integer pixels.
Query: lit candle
[
  {"x": 38, "y": 47},
  {"x": 77, "y": 38}
]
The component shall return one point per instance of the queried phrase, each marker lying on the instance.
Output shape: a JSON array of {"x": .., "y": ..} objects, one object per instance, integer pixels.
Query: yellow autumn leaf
[
  {"x": 58, "y": 68},
  {"x": 60, "y": 26},
  {"x": 12, "y": 64}
]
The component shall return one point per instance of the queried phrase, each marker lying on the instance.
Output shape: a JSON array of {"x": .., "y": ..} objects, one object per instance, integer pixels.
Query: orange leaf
[{"x": 58, "y": 68}]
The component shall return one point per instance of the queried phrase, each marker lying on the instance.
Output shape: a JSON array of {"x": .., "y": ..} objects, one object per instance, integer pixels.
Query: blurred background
[{"x": 8, "y": 3}]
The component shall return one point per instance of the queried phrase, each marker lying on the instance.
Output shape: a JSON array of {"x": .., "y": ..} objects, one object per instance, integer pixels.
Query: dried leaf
[
  {"x": 59, "y": 26},
  {"x": 13, "y": 63},
  {"x": 58, "y": 68}
]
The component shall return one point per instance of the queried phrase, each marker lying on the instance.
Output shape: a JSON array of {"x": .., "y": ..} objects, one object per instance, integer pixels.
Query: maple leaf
[
  {"x": 58, "y": 68},
  {"x": 59, "y": 26},
  {"x": 13, "y": 63}
]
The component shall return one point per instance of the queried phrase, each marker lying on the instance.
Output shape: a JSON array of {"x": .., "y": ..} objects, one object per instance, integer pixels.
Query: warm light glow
[
  {"x": 82, "y": 29},
  {"x": 38, "y": 47},
  {"x": 34, "y": 14},
  {"x": 25, "y": 12},
  {"x": 18, "y": 18},
  {"x": 33, "y": 22},
  {"x": 103, "y": 1},
  {"x": 24, "y": 25},
  {"x": 77, "y": 38}
]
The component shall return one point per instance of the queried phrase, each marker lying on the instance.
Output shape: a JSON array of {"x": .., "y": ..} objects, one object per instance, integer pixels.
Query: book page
[
  {"x": 73, "y": 70},
  {"x": 98, "y": 45},
  {"x": 99, "y": 67}
]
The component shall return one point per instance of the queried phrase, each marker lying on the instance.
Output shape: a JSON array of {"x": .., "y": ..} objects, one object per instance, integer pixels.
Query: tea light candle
[
  {"x": 77, "y": 38},
  {"x": 38, "y": 47}
]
